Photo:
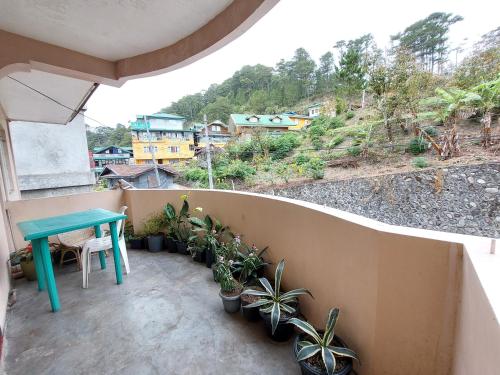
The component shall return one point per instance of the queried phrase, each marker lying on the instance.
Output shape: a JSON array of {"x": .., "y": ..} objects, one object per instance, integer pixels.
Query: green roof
[
  {"x": 242, "y": 119},
  {"x": 315, "y": 105},
  {"x": 160, "y": 115},
  {"x": 141, "y": 126}
]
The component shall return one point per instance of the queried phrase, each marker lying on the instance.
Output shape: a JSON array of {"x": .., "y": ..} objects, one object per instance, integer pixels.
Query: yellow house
[
  {"x": 300, "y": 121},
  {"x": 171, "y": 141}
]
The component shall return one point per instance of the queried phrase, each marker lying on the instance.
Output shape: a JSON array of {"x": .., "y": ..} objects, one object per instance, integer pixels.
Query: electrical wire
[{"x": 56, "y": 101}]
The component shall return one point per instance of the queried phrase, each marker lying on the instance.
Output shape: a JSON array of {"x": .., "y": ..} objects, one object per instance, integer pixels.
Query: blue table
[{"x": 38, "y": 231}]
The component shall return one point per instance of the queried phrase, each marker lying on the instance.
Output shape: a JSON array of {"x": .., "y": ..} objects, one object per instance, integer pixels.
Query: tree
[
  {"x": 302, "y": 71},
  {"x": 107, "y": 136},
  {"x": 488, "y": 98},
  {"x": 324, "y": 74},
  {"x": 219, "y": 110},
  {"x": 483, "y": 64},
  {"x": 428, "y": 39},
  {"x": 349, "y": 75}
]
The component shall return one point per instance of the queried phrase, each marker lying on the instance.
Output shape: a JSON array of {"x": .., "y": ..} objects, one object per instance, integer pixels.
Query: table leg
[
  {"x": 116, "y": 252},
  {"x": 102, "y": 255},
  {"x": 37, "y": 258},
  {"x": 49, "y": 274}
]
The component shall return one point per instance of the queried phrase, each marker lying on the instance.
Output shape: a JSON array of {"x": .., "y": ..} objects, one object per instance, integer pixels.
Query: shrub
[
  {"x": 301, "y": 159},
  {"x": 349, "y": 115},
  {"x": 317, "y": 143},
  {"x": 196, "y": 174},
  {"x": 431, "y": 131},
  {"x": 354, "y": 150},
  {"x": 338, "y": 139},
  {"x": 417, "y": 146},
  {"x": 316, "y": 130},
  {"x": 236, "y": 169},
  {"x": 420, "y": 162},
  {"x": 315, "y": 168},
  {"x": 282, "y": 145},
  {"x": 335, "y": 122}
]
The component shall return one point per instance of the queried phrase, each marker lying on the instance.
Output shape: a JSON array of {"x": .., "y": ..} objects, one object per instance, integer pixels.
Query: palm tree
[
  {"x": 488, "y": 98},
  {"x": 449, "y": 106}
]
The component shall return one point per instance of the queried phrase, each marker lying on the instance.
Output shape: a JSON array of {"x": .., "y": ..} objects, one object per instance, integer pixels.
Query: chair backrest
[
  {"x": 76, "y": 238},
  {"x": 121, "y": 223}
]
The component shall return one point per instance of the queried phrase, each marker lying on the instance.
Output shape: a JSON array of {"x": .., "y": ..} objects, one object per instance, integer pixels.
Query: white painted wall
[{"x": 51, "y": 156}]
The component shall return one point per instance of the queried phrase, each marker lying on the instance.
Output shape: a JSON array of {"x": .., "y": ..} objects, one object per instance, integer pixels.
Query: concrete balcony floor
[{"x": 166, "y": 318}]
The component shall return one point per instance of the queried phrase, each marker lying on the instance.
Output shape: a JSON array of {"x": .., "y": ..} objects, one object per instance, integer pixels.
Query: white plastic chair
[{"x": 104, "y": 243}]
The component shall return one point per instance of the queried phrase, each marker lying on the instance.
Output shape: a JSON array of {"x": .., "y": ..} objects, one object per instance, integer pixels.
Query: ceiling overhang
[
  {"x": 38, "y": 96},
  {"x": 112, "y": 42}
]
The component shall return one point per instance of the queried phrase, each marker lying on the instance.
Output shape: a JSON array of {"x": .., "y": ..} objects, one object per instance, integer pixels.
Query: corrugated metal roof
[
  {"x": 131, "y": 171},
  {"x": 262, "y": 120}
]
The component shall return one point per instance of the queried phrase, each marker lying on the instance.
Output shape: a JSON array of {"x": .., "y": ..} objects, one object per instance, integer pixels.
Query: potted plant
[
  {"x": 24, "y": 257},
  {"x": 153, "y": 231},
  {"x": 277, "y": 308},
  {"x": 230, "y": 288},
  {"x": 135, "y": 240},
  {"x": 197, "y": 248},
  {"x": 251, "y": 314},
  {"x": 249, "y": 264},
  {"x": 213, "y": 231},
  {"x": 178, "y": 231},
  {"x": 322, "y": 352}
]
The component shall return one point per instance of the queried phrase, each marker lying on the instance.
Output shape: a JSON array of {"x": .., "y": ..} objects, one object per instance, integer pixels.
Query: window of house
[
  {"x": 216, "y": 128},
  {"x": 146, "y": 149},
  {"x": 276, "y": 119},
  {"x": 253, "y": 119},
  {"x": 173, "y": 149},
  {"x": 191, "y": 147}
]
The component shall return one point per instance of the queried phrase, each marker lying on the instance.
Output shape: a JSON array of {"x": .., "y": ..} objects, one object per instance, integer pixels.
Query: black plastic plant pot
[
  {"x": 250, "y": 314},
  {"x": 137, "y": 243},
  {"x": 171, "y": 245},
  {"x": 308, "y": 369},
  {"x": 199, "y": 256},
  {"x": 214, "y": 272},
  {"x": 231, "y": 303},
  {"x": 155, "y": 243},
  {"x": 209, "y": 258},
  {"x": 284, "y": 331},
  {"x": 181, "y": 247}
]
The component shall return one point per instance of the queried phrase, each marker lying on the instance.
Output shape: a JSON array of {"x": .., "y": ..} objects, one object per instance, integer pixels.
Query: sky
[{"x": 313, "y": 24}]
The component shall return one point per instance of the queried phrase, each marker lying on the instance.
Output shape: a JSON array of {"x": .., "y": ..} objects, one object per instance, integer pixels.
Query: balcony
[
  {"x": 166, "y": 318},
  {"x": 412, "y": 301}
]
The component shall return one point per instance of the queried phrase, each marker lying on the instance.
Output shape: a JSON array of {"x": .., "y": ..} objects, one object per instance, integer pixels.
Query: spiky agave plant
[
  {"x": 272, "y": 301},
  {"x": 322, "y": 343}
]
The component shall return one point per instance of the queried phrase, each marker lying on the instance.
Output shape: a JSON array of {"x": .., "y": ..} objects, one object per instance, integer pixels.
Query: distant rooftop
[
  {"x": 243, "y": 119},
  {"x": 98, "y": 150},
  {"x": 160, "y": 115},
  {"x": 131, "y": 171}
]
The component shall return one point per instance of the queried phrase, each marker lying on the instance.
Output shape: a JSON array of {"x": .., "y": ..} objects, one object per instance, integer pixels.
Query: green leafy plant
[
  {"x": 315, "y": 168},
  {"x": 176, "y": 223},
  {"x": 248, "y": 262},
  {"x": 420, "y": 162},
  {"x": 272, "y": 301},
  {"x": 154, "y": 225},
  {"x": 335, "y": 141},
  {"x": 431, "y": 131},
  {"x": 417, "y": 145},
  {"x": 354, "y": 151},
  {"x": 224, "y": 276},
  {"x": 349, "y": 115},
  {"x": 317, "y": 342},
  {"x": 211, "y": 229},
  {"x": 301, "y": 159}
]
